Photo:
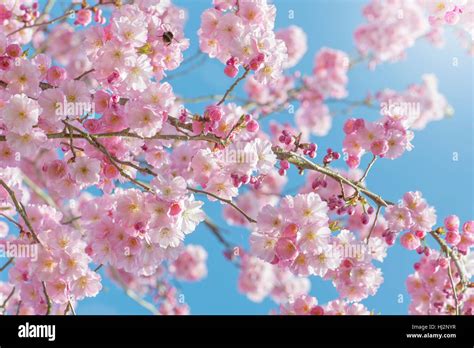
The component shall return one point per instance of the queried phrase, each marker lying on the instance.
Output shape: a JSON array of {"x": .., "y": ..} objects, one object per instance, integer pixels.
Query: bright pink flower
[
  {"x": 285, "y": 249},
  {"x": 231, "y": 71},
  {"x": 5, "y": 14},
  {"x": 252, "y": 126},
  {"x": 353, "y": 161},
  {"x": 13, "y": 50},
  {"x": 379, "y": 147},
  {"x": 451, "y": 223},
  {"x": 453, "y": 237},
  {"x": 468, "y": 227},
  {"x": 213, "y": 112},
  {"x": 83, "y": 17},
  {"x": 55, "y": 75}
]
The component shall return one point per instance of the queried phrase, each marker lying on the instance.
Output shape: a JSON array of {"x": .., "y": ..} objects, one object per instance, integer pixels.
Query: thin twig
[
  {"x": 133, "y": 295},
  {"x": 215, "y": 230},
  {"x": 231, "y": 88},
  {"x": 195, "y": 66},
  {"x": 455, "y": 294},
  {"x": 4, "y": 304},
  {"x": 13, "y": 221},
  {"x": 84, "y": 74},
  {"x": 454, "y": 256},
  {"x": 48, "y": 300},
  {"x": 10, "y": 260},
  {"x": 369, "y": 166},
  {"x": 54, "y": 20},
  {"x": 39, "y": 191},
  {"x": 70, "y": 307},
  {"x": 304, "y": 163},
  {"x": 18, "y": 308},
  {"x": 228, "y": 201},
  {"x": 374, "y": 223},
  {"x": 20, "y": 209}
]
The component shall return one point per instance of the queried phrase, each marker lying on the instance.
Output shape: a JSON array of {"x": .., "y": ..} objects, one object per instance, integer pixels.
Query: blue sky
[{"x": 445, "y": 183}]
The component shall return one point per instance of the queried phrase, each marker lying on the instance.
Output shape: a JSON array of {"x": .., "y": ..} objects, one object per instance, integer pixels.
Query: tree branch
[
  {"x": 64, "y": 16},
  {"x": 231, "y": 88},
  {"x": 215, "y": 230},
  {"x": 304, "y": 163},
  {"x": 369, "y": 166},
  {"x": 133, "y": 295},
  {"x": 10, "y": 260},
  {"x": 4, "y": 304},
  {"x": 228, "y": 201},
  {"x": 455, "y": 295},
  {"x": 20, "y": 209},
  {"x": 48, "y": 300}
]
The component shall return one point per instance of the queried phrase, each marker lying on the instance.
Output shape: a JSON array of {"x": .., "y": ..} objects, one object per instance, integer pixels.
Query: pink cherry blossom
[
  {"x": 106, "y": 171},
  {"x": 21, "y": 114}
]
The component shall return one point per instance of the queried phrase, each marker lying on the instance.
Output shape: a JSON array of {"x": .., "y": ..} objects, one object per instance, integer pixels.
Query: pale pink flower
[
  {"x": 256, "y": 278},
  {"x": 331, "y": 71},
  {"x": 296, "y": 44},
  {"x": 88, "y": 285},
  {"x": 166, "y": 236},
  {"x": 143, "y": 119},
  {"x": 191, "y": 264},
  {"x": 23, "y": 78},
  {"x": 21, "y": 114},
  {"x": 86, "y": 170},
  {"x": 398, "y": 218},
  {"x": 138, "y": 73}
]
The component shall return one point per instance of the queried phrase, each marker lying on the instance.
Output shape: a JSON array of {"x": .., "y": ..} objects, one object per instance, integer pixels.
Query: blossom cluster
[
  {"x": 135, "y": 230},
  {"x": 460, "y": 238},
  {"x": 240, "y": 33},
  {"x": 259, "y": 279},
  {"x": 451, "y": 13},
  {"x": 267, "y": 191},
  {"x": 399, "y": 22},
  {"x": 135, "y": 46},
  {"x": 296, "y": 236},
  {"x": 296, "y": 44},
  {"x": 391, "y": 136},
  {"x": 387, "y": 138},
  {"x": 412, "y": 214},
  {"x": 416, "y": 106},
  {"x": 190, "y": 265},
  {"x": 357, "y": 278},
  {"x": 14, "y": 15},
  {"x": 165, "y": 295},
  {"x": 90, "y": 112},
  {"x": 245, "y": 161},
  {"x": 58, "y": 263},
  {"x": 430, "y": 287},
  {"x": 328, "y": 80},
  {"x": 308, "y": 305}
]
